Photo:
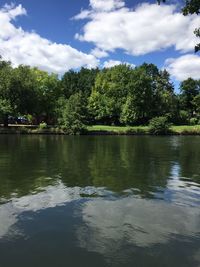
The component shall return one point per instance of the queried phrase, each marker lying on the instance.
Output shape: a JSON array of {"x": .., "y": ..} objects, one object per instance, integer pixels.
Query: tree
[
  {"x": 73, "y": 117},
  {"x": 5, "y": 80},
  {"x": 137, "y": 109},
  {"x": 47, "y": 90},
  {"x": 5, "y": 110},
  {"x": 22, "y": 91},
  {"x": 109, "y": 93},
  {"x": 196, "y": 103},
  {"x": 190, "y": 88},
  {"x": 73, "y": 82}
]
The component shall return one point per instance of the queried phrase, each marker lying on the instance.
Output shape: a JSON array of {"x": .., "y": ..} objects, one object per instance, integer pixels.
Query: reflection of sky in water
[
  {"x": 138, "y": 221},
  {"x": 51, "y": 197},
  {"x": 152, "y": 209},
  {"x": 180, "y": 190}
]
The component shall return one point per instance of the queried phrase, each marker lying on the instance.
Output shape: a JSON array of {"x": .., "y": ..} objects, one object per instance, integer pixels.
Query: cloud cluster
[
  {"x": 111, "y": 63},
  {"x": 145, "y": 29},
  {"x": 186, "y": 66},
  {"x": 108, "y": 5},
  {"x": 22, "y": 47}
]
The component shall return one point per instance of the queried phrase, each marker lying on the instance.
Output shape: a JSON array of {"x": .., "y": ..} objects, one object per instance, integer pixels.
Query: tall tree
[
  {"x": 109, "y": 93},
  {"x": 6, "y": 108},
  {"x": 190, "y": 88},
  {"x": 73, "y": 82},
  {"x": 137, "y": 108}
]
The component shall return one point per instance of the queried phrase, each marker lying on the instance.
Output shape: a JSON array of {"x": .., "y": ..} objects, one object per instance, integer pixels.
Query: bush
[
  {"x": 193, "y": 121},
  {"x": 184, "y": 117},
  {"x": 42, "y": 126},
  {"x": 159, "y": 125}
]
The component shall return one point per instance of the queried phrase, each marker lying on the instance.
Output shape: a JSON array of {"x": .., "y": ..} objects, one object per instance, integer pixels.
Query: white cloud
[
  {"x": 111, "y": 63},
  {"x": 99, "y": 53},
  {"x": 108, "y": 5},
  {"x": 147, "y": 28},
  {"x": 184, "y": 67},
  {"x": 82, "y": 15},
  {"x": 29, "y": 48}
]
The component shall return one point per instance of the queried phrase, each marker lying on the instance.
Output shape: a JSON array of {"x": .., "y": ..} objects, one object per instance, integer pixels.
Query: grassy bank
[
  {"x": 101, "y": 130},
  {"x": 176, "y": 130}
]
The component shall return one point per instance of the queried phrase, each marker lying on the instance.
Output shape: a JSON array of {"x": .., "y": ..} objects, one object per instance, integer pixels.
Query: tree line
[{"x": 120, "y": 95}]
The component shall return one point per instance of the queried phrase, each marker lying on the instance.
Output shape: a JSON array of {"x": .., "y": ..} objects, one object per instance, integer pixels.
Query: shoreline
[{"x": 100, "y": 130}]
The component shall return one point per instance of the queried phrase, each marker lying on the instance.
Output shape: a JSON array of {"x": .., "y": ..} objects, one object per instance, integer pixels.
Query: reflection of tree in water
[
  {"x": 132, "y": 162},
  {"x": 23, "y": 167},
  {"x": 189, "y": 158},
  {"x": 29, "y": 163}
]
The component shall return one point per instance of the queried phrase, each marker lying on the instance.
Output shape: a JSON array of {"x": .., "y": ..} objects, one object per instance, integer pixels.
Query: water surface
[{"x": 99, "y": 201}]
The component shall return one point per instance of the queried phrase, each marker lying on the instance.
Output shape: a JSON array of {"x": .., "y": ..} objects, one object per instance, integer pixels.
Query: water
[{"x": 99, "y": 201}]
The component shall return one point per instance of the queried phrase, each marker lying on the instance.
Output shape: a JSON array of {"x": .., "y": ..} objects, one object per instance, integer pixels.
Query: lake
[{"x": 99, "y": 201}]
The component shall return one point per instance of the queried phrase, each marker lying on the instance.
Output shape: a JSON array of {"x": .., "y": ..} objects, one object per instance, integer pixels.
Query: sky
[{"x": 56, "y": 36}]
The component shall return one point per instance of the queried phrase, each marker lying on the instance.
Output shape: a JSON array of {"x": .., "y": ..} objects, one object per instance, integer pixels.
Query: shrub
[
  {"x": 159, "y": 125},
  {"x": 42, "y": 125},
  {"x": 184, "y": 117},
  {"x": 193, "y": 121}
]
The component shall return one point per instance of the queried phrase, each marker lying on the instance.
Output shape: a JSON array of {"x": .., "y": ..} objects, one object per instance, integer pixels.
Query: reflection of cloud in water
[
  {"x": 51, "y": 197},
  {"x": 107, "y": 226},
  {"x": 139, "y": 222},
  {"x": 181, "y": 190}
]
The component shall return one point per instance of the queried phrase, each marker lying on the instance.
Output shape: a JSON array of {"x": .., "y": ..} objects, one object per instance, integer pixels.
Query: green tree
[
  {"x": 196, "y": 103},
  {"x": 5, "y": 80},
  {"x": 47, "y": 90},
  {"x": 165, "y": 100},
  {"x": 5, "y": 110},
  {"x": 137, "y": 108},
  {"x": 190, "y": 88},
  {"x": 109, "y": 94},
  {"x": 73, "y": 82},
  {"x": 22, "y": 91},
  {"x": 73, "y": 117}
]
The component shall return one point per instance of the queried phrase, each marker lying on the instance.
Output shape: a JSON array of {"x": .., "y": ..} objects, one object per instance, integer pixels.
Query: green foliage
[
  {"x": 43, "y": 125},
  {"x": 193, "y": 121},
  {"x": 190, "y": 88},
  {"x": 128, "y": 115},
  {"x": 159, "y": 125},
  {"x": 5, "y": 108},
  {"x": 109, "y": 93},
  {"x": 114, "y": 96},
  {"x": 184, "y": 117},
  {"x": 74, "y": 114},
  {"x": 73, "y": 82},
  {"x": 191, "y": 7}
]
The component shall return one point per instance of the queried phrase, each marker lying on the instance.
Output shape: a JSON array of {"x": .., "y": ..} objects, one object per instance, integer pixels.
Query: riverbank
[
  {"x": 100, "y": 130},
  {"x": 142, "y": 130}
]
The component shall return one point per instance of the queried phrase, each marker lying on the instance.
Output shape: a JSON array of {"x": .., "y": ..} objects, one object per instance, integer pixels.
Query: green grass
[
  {"x": 101, "y": 129},
  {"x": 118, "y": 129},
  {"x": 183, "y": 129},
  {"x": 186, "y": 129}
]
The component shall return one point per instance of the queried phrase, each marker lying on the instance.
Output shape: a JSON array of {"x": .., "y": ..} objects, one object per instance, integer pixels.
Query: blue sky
[{"x": 60, "y": 35}]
